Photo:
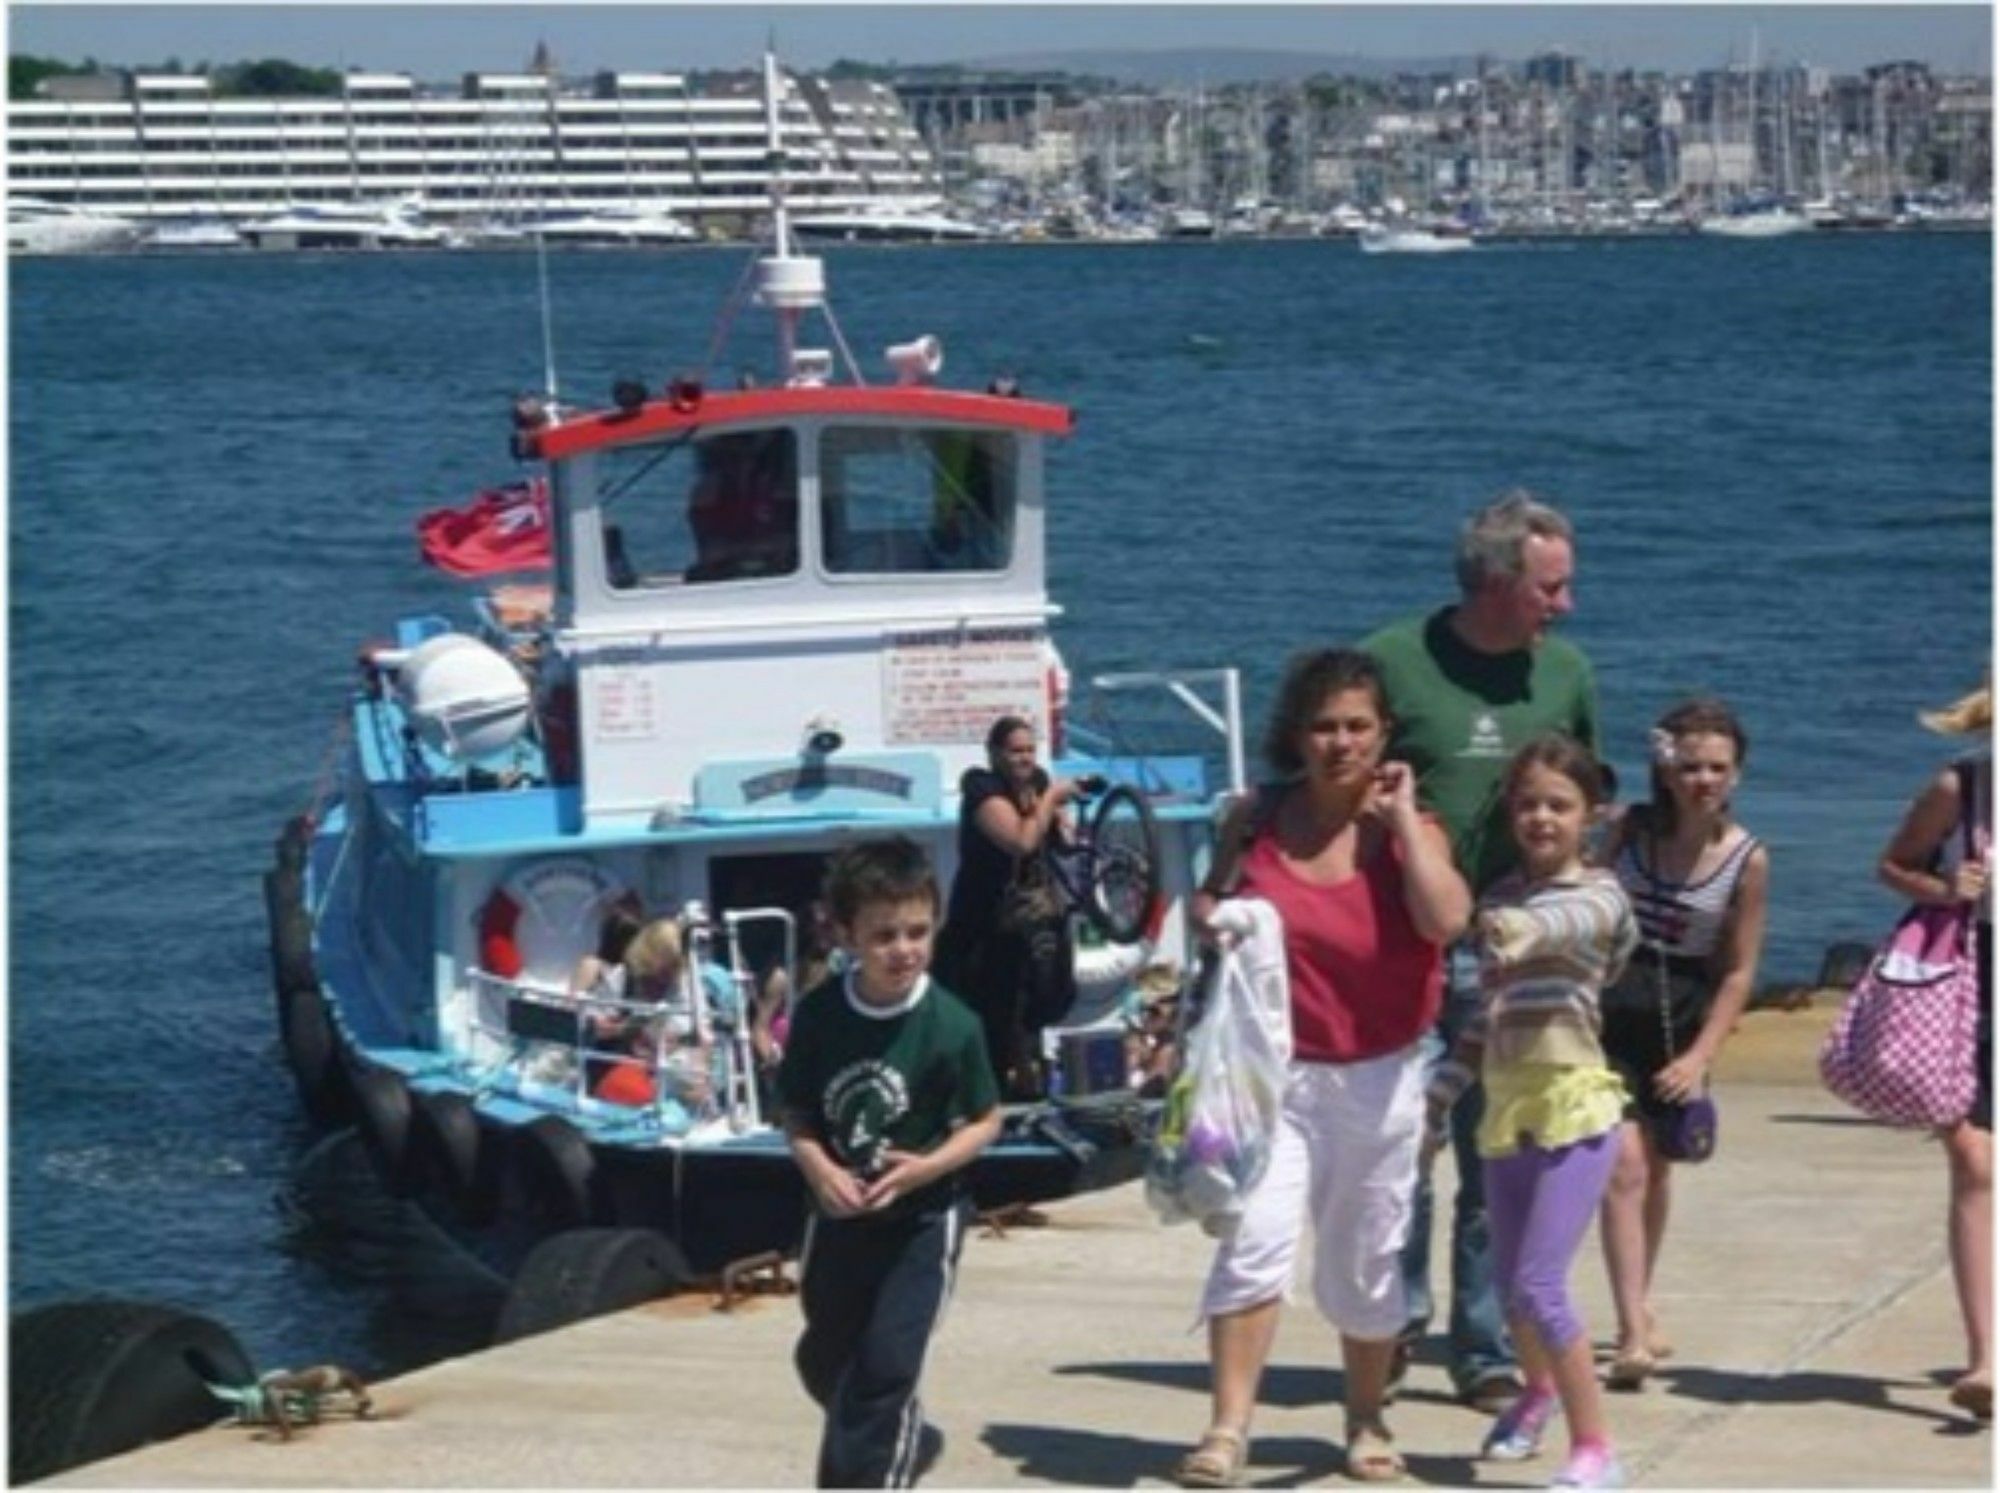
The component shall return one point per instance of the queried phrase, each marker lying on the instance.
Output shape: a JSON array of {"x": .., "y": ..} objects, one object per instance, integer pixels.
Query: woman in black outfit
[{"x": 1019, "y": 981}]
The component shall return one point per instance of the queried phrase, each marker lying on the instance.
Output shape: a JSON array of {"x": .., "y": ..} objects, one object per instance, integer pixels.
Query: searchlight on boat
[
  {"x": 823, "y": 737},
  {"x": 811, "y": 367},
  {"x": 916, "y": 362}
]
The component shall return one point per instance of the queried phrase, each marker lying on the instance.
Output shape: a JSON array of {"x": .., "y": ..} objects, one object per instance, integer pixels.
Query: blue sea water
[{"x": 1778, "y": 457}]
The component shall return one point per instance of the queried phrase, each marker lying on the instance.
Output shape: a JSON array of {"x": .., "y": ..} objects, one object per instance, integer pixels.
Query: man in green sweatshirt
[{"x": 1469, "y": 684}]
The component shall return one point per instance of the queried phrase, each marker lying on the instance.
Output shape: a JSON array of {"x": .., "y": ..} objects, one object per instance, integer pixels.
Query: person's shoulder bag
[{"x": 1901, "y": 1050}]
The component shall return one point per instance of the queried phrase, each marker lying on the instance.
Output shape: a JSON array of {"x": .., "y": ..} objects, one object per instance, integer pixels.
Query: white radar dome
[{"x": 464, "y": 699}]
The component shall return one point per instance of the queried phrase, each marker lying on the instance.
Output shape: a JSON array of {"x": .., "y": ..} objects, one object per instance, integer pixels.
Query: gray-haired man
[{"x": 1469, "y": 684}]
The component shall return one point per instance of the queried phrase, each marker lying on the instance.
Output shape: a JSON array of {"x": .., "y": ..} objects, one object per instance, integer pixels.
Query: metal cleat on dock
[
  {"x": 995, "y": 1222},
  {"x": 754, "y": 1275}
]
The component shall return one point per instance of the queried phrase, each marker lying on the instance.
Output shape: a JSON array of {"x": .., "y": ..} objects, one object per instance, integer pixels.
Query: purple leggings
[{"x": 1538, "y": 1206}]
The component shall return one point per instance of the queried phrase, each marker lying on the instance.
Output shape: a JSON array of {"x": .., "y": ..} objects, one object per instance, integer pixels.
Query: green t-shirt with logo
[
  {"x": 865, "y": 1078},
  {"x": 1461, "y": 715}
]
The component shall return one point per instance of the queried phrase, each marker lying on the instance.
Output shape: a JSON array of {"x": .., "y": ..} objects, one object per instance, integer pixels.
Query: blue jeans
[{"x": 1478, "y": 1343}]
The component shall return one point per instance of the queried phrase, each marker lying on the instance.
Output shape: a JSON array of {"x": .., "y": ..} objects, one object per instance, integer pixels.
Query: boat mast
[
  {"x": 788, "y": 282},
  {"x": 782, "y": 269},
  {"x": 1757, "y": 177}
]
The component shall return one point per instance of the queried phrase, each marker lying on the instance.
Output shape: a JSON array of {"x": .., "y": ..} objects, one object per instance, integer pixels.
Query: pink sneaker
[{"x": 1590, "y": 1467}]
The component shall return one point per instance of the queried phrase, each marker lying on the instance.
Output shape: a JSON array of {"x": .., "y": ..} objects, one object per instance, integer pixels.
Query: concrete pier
[{"x": 1805, "y": 1287}]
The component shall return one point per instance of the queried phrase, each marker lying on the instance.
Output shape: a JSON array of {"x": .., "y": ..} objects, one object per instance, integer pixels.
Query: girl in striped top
[
  {"x": 1551, "y": 934},
  {"x": 1698, "y": 882}
]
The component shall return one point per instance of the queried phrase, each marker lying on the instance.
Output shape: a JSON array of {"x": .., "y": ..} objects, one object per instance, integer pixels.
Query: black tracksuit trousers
[{"x": 873, "y": 1290}]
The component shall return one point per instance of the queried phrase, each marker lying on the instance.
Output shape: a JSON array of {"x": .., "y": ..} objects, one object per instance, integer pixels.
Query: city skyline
[{"x": 441, "y": 41}]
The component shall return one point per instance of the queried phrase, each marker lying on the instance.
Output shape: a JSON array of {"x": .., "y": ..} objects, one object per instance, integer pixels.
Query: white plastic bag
[{"x": 1221, "y": 1111}]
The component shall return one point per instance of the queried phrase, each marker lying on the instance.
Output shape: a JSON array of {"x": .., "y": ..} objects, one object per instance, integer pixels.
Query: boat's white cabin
[{"x": 800, "y": 599}]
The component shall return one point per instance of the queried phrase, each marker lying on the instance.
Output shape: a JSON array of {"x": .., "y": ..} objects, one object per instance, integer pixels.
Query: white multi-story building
[{"x": 152, "y": 146}]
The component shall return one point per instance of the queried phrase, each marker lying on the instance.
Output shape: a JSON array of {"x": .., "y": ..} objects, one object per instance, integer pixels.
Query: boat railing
[
  {"x": 745, "y": 1093},
  {"x": 1121, "y": 716},
  {"x": 549, "y": 1047}
]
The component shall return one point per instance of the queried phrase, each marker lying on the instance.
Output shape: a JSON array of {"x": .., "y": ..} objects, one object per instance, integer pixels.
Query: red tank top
[{"x": 1364, "y": 982}]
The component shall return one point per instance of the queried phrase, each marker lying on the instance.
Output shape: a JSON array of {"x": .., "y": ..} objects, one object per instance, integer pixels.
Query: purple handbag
[
  {"x": 1684, "y": 1130},
  {"x": 1901, "y": 1050}
]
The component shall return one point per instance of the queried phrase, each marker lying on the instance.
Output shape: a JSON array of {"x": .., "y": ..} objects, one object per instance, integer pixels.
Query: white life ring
[{"x": 544, "y": 917}]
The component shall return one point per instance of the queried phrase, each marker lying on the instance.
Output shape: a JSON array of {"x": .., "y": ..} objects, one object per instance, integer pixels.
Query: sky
[{"x": 437, "y": 41}]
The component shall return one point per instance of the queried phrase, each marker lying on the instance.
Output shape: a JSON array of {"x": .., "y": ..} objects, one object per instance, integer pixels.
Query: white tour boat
[{"x": 776, "y": 618}]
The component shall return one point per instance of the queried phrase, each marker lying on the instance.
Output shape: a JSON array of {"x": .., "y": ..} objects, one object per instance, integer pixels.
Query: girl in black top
[{"x": 1018, "y": 979}]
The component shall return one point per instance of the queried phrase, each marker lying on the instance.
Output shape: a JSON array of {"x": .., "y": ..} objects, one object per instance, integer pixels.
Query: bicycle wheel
[{"x": 1124, "y": 865}]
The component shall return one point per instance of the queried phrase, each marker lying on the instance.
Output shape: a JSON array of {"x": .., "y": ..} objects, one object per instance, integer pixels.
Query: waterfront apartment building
[{"x": 163, "y": 146}]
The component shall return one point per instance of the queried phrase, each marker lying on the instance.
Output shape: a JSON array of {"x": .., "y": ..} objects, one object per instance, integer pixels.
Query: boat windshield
[
  {"x": 721, "y": 509},
  {"x": 896, "y": 501}
]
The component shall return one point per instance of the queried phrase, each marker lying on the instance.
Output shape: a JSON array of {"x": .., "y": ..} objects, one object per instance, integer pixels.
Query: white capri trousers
[{"x": 1346, "y": 1156}]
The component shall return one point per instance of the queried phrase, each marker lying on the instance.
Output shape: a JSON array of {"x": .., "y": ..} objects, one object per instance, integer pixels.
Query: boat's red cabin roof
[{"x": 662, "y": 417}]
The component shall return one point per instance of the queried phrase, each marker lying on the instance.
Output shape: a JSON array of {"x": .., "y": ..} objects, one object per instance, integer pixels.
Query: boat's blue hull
[{"x": 508, "y": 1174}]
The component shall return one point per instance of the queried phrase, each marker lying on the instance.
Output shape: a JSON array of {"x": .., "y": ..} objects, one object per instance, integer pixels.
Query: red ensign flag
[{"x": 503, "y": 528}]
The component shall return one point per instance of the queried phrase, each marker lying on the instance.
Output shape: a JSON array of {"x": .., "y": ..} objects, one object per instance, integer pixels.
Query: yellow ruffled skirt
[{"x": 1547, "y": 1105}]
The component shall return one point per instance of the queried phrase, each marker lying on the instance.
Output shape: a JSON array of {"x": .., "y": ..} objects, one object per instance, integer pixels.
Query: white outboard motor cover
[{"x": 465, "y": 699}]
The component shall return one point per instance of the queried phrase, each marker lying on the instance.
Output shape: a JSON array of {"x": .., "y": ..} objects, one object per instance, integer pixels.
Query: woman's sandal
[
  {"x": 1974, "y": 1397},
  {"x": 1629, "y": 1368},
  {"x": 1657, "y": 1342},
  {"x": 1372, "y": 1457},
  {"x": 1216, "y": 1462}
]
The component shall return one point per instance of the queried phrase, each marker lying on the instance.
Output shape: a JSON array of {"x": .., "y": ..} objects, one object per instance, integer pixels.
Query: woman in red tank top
[{"x": 1368, "y": 896}]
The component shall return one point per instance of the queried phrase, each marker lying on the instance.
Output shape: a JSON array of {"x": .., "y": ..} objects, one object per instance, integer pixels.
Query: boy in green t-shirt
[{"x": 886, "y": 1094}]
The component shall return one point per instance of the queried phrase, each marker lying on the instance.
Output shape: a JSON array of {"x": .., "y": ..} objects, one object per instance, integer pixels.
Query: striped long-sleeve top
[{"x": 1546, "y": 950}]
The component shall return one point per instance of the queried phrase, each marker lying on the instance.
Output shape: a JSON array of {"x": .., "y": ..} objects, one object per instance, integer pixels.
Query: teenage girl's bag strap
[{"x": 1651, "y": 866}]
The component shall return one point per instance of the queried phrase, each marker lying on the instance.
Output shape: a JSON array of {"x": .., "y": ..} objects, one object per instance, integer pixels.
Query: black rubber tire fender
[
  {"x": 449, "y": 1152},
  {"x": 584, "y": 1273},
  {"x": 312, "y": 1052},
  {"x": 382, "y": 1115},
  {"x": 91, "y": 1379},
  {"x": 291, "y": 933},
  {"x": 290, "y": 848},
  {"x": 556, "y": 1173}
]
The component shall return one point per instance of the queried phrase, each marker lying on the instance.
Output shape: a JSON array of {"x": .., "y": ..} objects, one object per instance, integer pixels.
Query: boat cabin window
[
  {"x": 688, "y": 513},
  {"x": 896, "y": 502}
]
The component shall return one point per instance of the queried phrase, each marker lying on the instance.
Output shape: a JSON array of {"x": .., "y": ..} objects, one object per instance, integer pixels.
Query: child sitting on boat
[
  {"x": 678, "y": 1042},
  {"x": 622, "y": 922}
]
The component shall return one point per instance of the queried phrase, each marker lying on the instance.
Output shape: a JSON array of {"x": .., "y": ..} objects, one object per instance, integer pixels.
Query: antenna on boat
[
  {"x": 789, "y": 282},
  {"x": 548, "y": 320}
]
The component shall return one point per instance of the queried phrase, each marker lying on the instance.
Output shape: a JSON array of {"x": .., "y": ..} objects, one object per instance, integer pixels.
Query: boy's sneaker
[
  {"x": 1593, "y": 1467},
  {"x": 930, "y": 1446},
  {"x": 1517, "y": 1433}
]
